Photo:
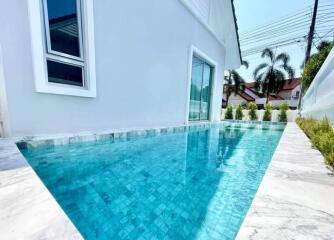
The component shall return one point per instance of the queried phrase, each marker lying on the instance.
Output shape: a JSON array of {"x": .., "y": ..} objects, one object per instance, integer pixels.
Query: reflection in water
[
  {"x": 193, "y": 185},
  {"x": 228, "y": 139}
]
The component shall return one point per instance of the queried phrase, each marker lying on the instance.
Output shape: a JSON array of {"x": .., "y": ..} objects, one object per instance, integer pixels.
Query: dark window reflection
[
  {"x": 64, "y": 74},
  {"x": 63, "y": 24}
]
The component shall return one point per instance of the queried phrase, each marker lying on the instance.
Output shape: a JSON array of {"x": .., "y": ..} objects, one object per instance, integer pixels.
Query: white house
[
  {"x": 289, "y": 93},
  {"x": 71, "y": 66}
]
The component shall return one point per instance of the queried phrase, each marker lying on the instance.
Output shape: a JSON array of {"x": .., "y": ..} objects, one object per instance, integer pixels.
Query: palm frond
[
  {"x": 278, "y": 84},
  {"x": 290, "y": 71},
  {"x": 258, "y": 69},
  {"x": 268, "y": 53},
  {"x": 258, "y": 82},
  {"x": 239, "y": 82},
  {"x": 284, "y": 57},
  {"x": 245, "y": 64}
]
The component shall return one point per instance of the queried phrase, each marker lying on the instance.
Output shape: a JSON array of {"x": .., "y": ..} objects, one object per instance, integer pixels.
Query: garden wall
[
  {"x": 292, "y": 115},
  {"x": 318, "y": 101}
]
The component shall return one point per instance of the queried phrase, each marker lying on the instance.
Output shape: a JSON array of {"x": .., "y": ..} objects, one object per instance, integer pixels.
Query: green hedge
[
  {"x": 321, "y": 135},
  {"x": 282, "y": 116},
  {"x": 238, "y": 113},
  {"x": 252, "y": 107},
  {"x": 229, "y": 113},
  {"x": 267, "y": 112}
]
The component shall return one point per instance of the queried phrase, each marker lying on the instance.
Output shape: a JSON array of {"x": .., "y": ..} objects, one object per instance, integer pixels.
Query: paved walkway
[{"x": 296, "y": 197}]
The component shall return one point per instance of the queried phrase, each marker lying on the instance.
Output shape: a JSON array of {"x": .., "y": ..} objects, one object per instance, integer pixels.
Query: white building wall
[
  {"x": 142, "y": 62},
  {"x": 286, "y": 95},
  {"x": 318, "y": 101},
  {"x": 235, "y": 100}
]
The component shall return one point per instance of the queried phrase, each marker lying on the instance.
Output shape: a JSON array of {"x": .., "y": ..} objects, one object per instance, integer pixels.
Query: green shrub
[
  {"x": 313, "y": 66},
  {"x": 229, "y": 113},
  {"x": 321, "y": 135},
  {"x": 239, "y": 114},
  {"x": 267, "y": 112},
  {"x": 308, "y": 125},
  {"x": 252, "y": 107},
  {"x": 282, "y": 116}
]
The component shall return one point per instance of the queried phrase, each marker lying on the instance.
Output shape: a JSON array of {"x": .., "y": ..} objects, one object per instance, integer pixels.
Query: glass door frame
[{"x": 194, "y": 51}]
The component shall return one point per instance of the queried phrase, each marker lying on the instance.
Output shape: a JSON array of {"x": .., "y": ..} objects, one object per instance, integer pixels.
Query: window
[
  {"x": 64, "y": 42},
  {"x": 64, "y": 73},
  {"x": 297, "y": 94},
  {"x": 200, "y": 91},
  {"x": 63, "y": 46}
]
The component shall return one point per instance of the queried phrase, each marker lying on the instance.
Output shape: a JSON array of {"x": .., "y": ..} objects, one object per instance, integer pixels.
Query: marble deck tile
[
  {"x": 27, "y": 209},
  {"x": 295, "y": 199}
]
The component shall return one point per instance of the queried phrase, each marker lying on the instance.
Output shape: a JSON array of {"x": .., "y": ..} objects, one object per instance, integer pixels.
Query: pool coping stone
[{"x": 295, "y": 198}]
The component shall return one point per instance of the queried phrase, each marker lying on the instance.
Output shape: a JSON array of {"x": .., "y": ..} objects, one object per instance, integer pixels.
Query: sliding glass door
[{"x": 200, "y": 93}]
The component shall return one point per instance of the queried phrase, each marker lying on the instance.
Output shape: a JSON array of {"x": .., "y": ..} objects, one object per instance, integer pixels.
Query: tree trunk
[
  {"x": 269, "y": 84},
  {"x": 228, "y": 93}
]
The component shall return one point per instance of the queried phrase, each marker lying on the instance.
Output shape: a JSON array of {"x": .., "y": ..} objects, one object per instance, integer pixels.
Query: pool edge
[
  {"x": 17, "y": 177},
  {"x": 294, "y": 199},
  {"x": 28, "y": 209}
]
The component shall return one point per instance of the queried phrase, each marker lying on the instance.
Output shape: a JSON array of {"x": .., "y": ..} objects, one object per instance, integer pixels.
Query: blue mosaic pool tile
[{"x": 194, "y": 183}]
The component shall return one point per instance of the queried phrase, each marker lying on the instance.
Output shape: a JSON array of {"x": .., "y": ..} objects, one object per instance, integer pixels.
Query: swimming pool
[{"x": 192, "y": 184}]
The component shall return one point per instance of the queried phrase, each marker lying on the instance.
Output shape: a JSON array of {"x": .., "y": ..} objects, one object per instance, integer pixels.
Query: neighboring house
[
  {"x": 289, "y": 93},
  {"x": 80, "y": 65},
  {"x": 242, "y": 98}
]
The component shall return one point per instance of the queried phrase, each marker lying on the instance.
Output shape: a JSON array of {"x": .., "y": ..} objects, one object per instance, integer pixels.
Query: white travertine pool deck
[
  {"x": 296, "y": 197},
  {"x": 27, "y": 209}
]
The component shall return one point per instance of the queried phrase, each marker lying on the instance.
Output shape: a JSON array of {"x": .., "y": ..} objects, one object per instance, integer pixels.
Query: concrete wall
[
  {"x": 318, "y": 101},
  {"x": 142, "y": 57},
  {"x": 291, "y": 114}
]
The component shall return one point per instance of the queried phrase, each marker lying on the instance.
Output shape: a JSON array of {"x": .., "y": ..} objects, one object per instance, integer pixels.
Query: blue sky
[{"x": 252, "y": 13}]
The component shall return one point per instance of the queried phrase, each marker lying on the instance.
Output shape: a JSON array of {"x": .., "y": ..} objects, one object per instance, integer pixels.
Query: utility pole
[
  {"x": 309, "y": 43},
  {"x": 311, "y": 33}
]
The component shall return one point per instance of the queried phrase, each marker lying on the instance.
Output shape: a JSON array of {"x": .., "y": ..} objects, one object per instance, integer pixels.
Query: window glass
[
  {"x": 64, "y": 73},
  {"x": 64, "y": 26},
  {"x": 206, "y": 92},
  {"x": 195, "y": 92},
  {"x": 200, "y": 92}
]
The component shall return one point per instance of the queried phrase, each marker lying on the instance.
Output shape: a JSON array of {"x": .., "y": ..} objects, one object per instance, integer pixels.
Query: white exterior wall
[
  {"x": 142, "y": 69},
  {"x": 318, "y": 101},
  {"x": 235, "y": 100},
  {"x": 290, "y": 96}
]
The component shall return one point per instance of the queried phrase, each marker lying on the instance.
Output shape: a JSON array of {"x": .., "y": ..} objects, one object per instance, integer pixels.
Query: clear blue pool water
[{"x": 197, "y": 184}]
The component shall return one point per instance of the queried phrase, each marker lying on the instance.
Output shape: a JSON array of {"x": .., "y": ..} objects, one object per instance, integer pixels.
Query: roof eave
[{"x": 236, "y": 29}]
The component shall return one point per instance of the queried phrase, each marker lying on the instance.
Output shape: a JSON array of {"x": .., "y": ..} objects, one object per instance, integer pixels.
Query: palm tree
[
  {"x": 270, "y": 76},
  {"x": 234, "y": 82}
]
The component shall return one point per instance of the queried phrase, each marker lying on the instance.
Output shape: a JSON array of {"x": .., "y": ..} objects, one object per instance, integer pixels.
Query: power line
[
  {"x": 276, "y": 30},
  {"x": 287, "y": 18},
  {"x": 259, "y": 49},
  {"x": 294, "y": 24},
  {"x": 273, "y": 25},
  {"x": 308, "y": 8},
  {"x": 289, "y": 29}
]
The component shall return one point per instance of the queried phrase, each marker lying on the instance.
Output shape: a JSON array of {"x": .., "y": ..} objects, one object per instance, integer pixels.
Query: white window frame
[
  {"x": 40, "y": 52},
  {"x": 194, "y": 51},
  {"x": 80, "y": 30}
]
